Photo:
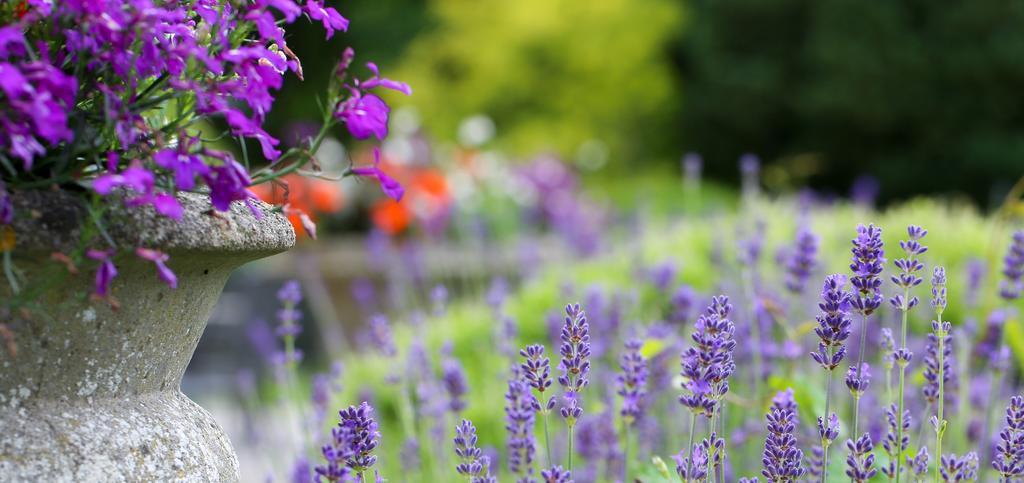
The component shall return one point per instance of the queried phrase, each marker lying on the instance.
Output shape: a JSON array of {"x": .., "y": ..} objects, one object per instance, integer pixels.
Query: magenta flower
[
  {"x": 105, "y": 273},
  {"x": 158, "y": 258},
  {"x": 328, "y": 16},
  {"x": 228, "y": 182},
  {"x": 388, "y": 184},
  {"x": 365, "y": 115},
  {"x": 185, "y": 165},
  {"x": 140, "y": 180}
]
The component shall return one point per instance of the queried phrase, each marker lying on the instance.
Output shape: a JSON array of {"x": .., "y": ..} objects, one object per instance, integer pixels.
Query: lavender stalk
[
  {"x": 906, "y": 279},
  {"x": 833, "y": 329},
  {"x": 866, "y": 267}
]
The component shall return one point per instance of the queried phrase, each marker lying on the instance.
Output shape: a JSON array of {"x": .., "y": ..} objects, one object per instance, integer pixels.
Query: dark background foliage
[{"x": 925, "y": 96}]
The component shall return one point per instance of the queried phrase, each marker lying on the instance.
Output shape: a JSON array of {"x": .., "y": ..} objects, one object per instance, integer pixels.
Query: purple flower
[
  {"x": 866, "y": 267},
  {"x": 556, "y": 474},
  {"x": 472, "y": 462},
  {"x": 365, "y": 116},
  {"x": 288, "y": 317},
  {"x": 908, "y": 267},
  {"x": 888, "y": 349},
  {"x": 692, "y": 165},
  {"x": 352, "y": 444},
  {"x": 380, "y": 335},
  {"x": 830, "y": 431},
  {"x": 919, "y": 463},
  {"x": 707, "y": 365},
  {"x": 692, "y": 468},
  {"x": 328, "y": 16},
  {"x": 6, "y": 206},
  {"x": 537, "y": 372},
  {"x": 519, "y": 422},
  {"x": 105, "y": 273},
  {"x": 631, "y": 382},
  {"x": 939, "y": 289},
  {"x": 439, "y": 297},
  {"x": 228, "y": 182},
  {"x": 140, "y": 180},
  {"x": 858, "y": 381},
  {"x": 782, "y": 457},
  {"x": 833, "y": 323},
  {"x": 802, "y": 260},
  {"x": 955, "y": 469},
  {"x": 681, "y": 303},
  {"x": 1009, "y": 456},
  {"x": 158, "y": 258},
  {"x": 184, "y": 164},
  {"x": 860, "y": 462},
  {"x": 454, "y": 379},
  {"x": 575, "y": 359},
  {"x": 378, "y": 81},
  {"x": 931, "y": 360},
  {"x": 896, "y": 441},
  {"x": 1013, "y": 268},
  {"x": 390, "y": 187}
]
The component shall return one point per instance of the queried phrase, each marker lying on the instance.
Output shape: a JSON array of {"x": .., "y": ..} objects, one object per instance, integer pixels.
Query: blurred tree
[
  {"x": 552, "y": 74},
  {"x": 923, "y": 95}
]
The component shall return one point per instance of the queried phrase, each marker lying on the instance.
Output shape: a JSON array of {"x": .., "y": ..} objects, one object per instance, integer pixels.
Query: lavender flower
[
  {"x": 575, "y": 360},
  {"x": 693, "y": 469},
  {"x": 833, "y": 324},
  {"x": 381, "y": 336},
  {"x": 955, "y": 469},
  {"x": 1013, "y": 268},
  {"x": 919, "y": 464},
  {"x": 1009, "y": 457},
  {"x": 933, "y": 361},
  {"x": 866, "y": 267},
  {"x": 896, "y": 440},
  {"x": 556, "y": 474},
  {"x": 472, "y": 463},
  {"x": 631, "y": 382},
  {"x": 782, "y": 457},
  {"x": 352, "y": 444},
  {"x": 519, "y": 421},
  {"x": 537, "y": 372},
  {"x": 288, "y": 318},
  {"x": 680, "y": 305},
  {"x": 860, "y": 462},
  {"x": 908, "y": 267},
  {"x": 454, "y": 379},
  {"x": 801, "y": 260},
  {"x": 858, "y": 380},
  {"x": 707, "y": 365}
]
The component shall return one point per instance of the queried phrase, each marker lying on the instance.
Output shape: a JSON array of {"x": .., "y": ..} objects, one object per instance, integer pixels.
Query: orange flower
[
  {"x": 304, "y": 195},
  {"x": 390, "y": 216}
]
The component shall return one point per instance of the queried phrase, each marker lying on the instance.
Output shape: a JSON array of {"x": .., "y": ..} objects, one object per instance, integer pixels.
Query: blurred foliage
[
  {"x": 552, "y": 74},
  {"x": 923, "y": 95}
]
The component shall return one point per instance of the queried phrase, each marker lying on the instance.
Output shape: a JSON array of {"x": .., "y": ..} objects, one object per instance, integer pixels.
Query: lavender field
[{"x": 783, "y": 338}]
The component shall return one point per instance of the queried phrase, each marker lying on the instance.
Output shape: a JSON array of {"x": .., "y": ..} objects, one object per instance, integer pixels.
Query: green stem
[
  {"x": 625, "y": 449},
  {"x": 824, "y": 442},
  {"x": 860, "y": 365},
  {"x": 547, "y": 435},
  {"x": 941, "y": 426},
  {"x": 711, "y": 447},
  {"x": 571, "y": 424},
  {"x": 689, "y": 445},
  {"x": 903, "y": 373}
]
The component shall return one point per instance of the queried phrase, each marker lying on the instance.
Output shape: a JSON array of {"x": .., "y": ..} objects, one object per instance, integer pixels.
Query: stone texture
[{"x": 93, "y": 394}]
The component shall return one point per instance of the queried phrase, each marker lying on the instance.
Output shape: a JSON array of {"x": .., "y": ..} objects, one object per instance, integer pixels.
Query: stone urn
[{"x": 92, "y": 393}]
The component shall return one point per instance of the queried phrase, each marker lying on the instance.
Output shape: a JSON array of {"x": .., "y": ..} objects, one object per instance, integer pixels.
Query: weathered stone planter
[{"x": 93, "y": 394}]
